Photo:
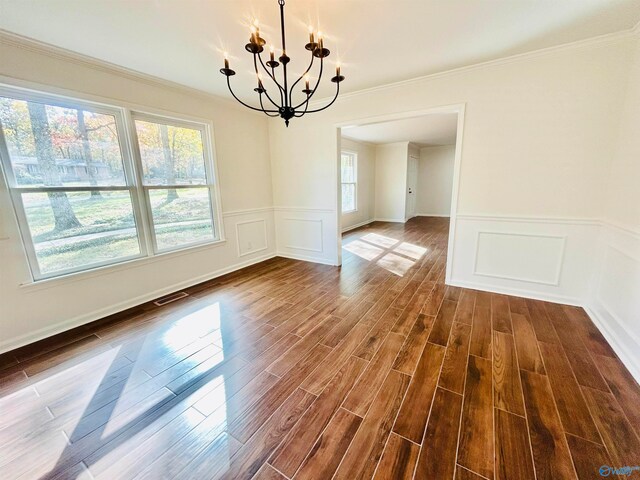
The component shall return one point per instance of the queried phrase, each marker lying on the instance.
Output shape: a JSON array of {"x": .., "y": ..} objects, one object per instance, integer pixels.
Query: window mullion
[{"x": 140, "y": 196}]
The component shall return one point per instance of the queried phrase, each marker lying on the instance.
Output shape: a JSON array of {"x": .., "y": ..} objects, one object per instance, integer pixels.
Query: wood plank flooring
[{"x": 288, "y": 369}]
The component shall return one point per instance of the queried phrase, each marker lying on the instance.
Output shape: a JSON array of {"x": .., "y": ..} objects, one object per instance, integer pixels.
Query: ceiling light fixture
[{"x": 285, "y": 107}]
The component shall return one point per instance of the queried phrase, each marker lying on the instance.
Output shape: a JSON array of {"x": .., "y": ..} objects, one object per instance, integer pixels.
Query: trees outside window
[{"x": 77, "y": 196}]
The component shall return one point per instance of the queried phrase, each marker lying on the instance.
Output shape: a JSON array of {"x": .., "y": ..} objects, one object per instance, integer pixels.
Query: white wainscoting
[
  {"x": 506, "y": 255},
  {"x": 544, "y": 258},
  {"x": 614, "y": 300},
  {"x": 307, "y": 234},
  {"x": 251, "y": 236},
  {"x": 583, "y": 262}
]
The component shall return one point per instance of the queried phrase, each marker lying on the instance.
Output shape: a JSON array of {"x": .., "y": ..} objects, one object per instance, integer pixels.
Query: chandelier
[{"x": 281, "y": 103}]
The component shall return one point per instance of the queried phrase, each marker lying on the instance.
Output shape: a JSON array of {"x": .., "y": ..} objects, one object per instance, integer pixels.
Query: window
[
  {"x": 349, "y": 179},
  {"x": 83, "y": 201}
]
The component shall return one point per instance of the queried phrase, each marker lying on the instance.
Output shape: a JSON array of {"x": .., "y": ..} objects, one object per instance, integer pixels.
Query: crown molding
[
  {"x": 36, "y": 46},
  {"x": 42, "y": 48},
  {"x": 592, "y": 42},
  {"x": 355, "y": 140}
]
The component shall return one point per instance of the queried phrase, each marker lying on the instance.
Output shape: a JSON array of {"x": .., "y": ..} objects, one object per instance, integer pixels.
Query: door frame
[
  {"x": 459, "y": 109},
  {"x": 414, "y": 194}
]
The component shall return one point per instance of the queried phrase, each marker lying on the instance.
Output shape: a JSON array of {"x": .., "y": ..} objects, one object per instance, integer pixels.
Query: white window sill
[
  {"x": 349, "y": 211},
  {"x": 117, "y": 267}
]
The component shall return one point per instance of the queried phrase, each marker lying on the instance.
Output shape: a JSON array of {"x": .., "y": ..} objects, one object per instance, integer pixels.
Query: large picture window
[
  {"x": 349, "y": 179},
  {"x": 84, "y": 199}
]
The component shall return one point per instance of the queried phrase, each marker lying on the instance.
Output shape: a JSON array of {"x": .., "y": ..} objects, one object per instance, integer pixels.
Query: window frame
[
  {"x": 124, "y": 116},
  {"x": 210, "y": 177},
  {"x": 354, "y": 183}
]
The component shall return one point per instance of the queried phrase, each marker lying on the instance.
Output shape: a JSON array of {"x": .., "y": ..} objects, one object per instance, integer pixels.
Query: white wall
[
  {"x": 365, "y": 212},
  {"x": 615, "y": 296},
  {"x": 539, "y": 130},
  {"x": 435, "y": 180},
  {"x": 391, "y": 181},
  {"x": 29, "y": 312}
]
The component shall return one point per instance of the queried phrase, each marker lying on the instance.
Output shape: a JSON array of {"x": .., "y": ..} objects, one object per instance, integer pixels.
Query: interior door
[{"x": 412, "y": 182}]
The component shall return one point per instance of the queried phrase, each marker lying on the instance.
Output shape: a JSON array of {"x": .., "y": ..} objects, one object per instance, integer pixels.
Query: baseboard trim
[
  {"x": 80, "y": 320},
  {"x": 305, "y": 258},
  {"x": 519, "y": 293},
  {"x": 628, "y": 359},
  {"x": 432, "y": 215},
  {"x": 358, "y": 225},
  {"x": 394, "y": 220}
]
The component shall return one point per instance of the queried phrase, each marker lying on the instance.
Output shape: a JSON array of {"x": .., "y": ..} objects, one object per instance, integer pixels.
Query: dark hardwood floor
[{"x": 289, "y": 369}]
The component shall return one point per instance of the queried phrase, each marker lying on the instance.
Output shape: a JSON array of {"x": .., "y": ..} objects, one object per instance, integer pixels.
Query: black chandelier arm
[
  {"x": 301, "y": 77},
  {"x": 314, "y": 88},
  {"x": 272, "y": 75},
  {"x": 266, "y": 112},
  {"x": 301, "y": 114},
  {"x": 246, "y": 105},
  {"x": 330, "y": 103},
  {"x": 255, "y": 64}
]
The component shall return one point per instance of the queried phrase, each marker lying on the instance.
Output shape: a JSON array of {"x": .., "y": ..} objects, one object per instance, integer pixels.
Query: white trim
[
  {"x": 303, "y": 209},
  {"x": 439, "y": 215},
  {"x": 626, "y": 229},
  {"x": 531, "y": 219},
  {"x": 49, "y": 50},
  {"x": 80, "y": 320},
  {"x": 525, "y": 293},
  {"x": 358, "y": 225},
  {"x": 455, "y": 190},
  {"x": 266, "y": 237},
  {"x": 555, "y": 283},
  {"x": 305, "y": 258},
  {"x": 247, "y": 211},
  {"x": 588, "y": 43},
  {"x": 628, "y": 358},
  {"x": 116, "y": 267},
  {"x": 52, "y": 51},
  {"x": 394, "y": 220}
]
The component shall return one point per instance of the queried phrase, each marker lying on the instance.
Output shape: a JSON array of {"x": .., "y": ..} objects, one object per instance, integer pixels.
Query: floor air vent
[{"x": 172, "y": 297}]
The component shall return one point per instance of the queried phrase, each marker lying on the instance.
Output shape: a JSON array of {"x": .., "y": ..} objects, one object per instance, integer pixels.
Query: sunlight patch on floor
[
  {"x": 198, "y": 323},
  {"x": 395, "y": 264},
  {"x": 380, "y": 240},
  {"x": 393, "y": 255},
  {"x": 364, "y": 250},
  {"x": 410, "y": 250}
]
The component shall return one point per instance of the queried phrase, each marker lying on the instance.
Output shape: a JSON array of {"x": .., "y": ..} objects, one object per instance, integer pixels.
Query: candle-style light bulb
[
  {"x": 254, "y": 34},
  {"x": 226, "y": 60},
  {"x": 306, "y": 81},
  {"x": 320, "y": 41},
  {"x": 311, "y": 38},
  {"x": 272, "y": 53},
  {"x": 260, "y": 80},
  {"x": 337, "y": 68}
]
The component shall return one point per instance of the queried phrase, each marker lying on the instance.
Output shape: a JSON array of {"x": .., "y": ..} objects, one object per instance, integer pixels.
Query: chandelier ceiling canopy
[{"x": 281, "y": 103}]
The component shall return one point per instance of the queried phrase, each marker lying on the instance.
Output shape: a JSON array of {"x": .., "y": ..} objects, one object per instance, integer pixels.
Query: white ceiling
[
  {"x": 378, "y": 41},
  {"x": 424, "y": 131}
]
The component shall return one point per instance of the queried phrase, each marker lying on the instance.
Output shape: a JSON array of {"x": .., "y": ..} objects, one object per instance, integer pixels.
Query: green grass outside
[{"x": 112, "y": 212}]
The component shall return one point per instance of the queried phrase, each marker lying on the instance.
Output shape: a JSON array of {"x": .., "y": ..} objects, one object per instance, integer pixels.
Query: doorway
[
  {"x": 412, "y": 186},
  {"x": 391, "y": 154}
]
